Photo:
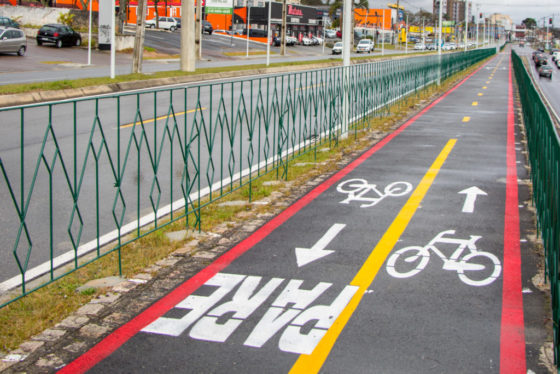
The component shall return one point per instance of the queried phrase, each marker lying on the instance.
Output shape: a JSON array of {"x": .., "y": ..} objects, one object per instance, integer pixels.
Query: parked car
[
  {"x": 12, "y": 40},
  {"x": 306, "y": 41},
  {"x": 58, "y": 35},
  {"x": 178, "y": 20},
  {"x": 317, "y": 40},
  {"x": 337, "y": 48},
  {"x": 545, "y": 71},
  {"x": 338, "y": 34},
  {"x": 419, "y": 46},
  {"x": 166, "y": 23},
  {"x": 365, "y": 45},
  {"x": 8, "y": 22},
  {"x": 558, "y": 63},
  {"x": 290, "y": 40},
  {"x": 207, "y": 28},
  {"x": 331, "y": 34}
]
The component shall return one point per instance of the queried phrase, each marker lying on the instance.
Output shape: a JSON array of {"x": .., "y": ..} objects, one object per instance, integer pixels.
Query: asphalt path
[{"x": 408, "y": 260}]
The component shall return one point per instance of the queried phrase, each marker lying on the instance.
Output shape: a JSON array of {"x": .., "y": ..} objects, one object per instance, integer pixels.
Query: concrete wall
[{"x": 40, "y": 16}]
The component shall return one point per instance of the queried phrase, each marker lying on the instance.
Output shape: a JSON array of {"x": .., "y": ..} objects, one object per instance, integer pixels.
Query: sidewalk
[{"x": 418, "y": 256}]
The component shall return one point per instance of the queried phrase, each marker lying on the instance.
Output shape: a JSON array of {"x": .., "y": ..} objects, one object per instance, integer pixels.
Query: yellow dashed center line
[
  {"x": 475, "y": 103},
  {"x": 484, "y": 87},
  {"x": 480, "y": 94},
  {"x": 466, "y": 119},
  {"x": 313, "y": 362},
  {"x": 159, "y": 118}
]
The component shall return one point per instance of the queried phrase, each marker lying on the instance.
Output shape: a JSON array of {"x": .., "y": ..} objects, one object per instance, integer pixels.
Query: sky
[{"x": 518, "y": 10}]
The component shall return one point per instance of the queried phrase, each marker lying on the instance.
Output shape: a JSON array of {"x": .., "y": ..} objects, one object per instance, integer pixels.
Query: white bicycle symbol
[
  {"x": 357, "y": 188},
  {"x": 409, "y": 261}
]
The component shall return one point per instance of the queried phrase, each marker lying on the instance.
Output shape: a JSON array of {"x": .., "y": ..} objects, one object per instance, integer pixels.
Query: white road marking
[
  {"x": 472, "y": 193},
  {"x": 306, "y": 255}
]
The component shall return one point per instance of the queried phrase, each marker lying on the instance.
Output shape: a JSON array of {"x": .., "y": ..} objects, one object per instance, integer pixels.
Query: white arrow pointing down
[
  {"x": 306, "y": 255},
  {"x": 472, "y": 193}
]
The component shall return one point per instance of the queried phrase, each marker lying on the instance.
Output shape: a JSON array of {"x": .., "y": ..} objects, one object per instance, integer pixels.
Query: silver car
[{"x": 12, "y": 41}]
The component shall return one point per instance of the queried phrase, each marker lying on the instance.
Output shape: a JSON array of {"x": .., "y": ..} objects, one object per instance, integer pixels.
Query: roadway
[
  {"x": 410, "y": 259},
  {"x": 46, "y": 63},
  {"x": 550, "y": 88}
]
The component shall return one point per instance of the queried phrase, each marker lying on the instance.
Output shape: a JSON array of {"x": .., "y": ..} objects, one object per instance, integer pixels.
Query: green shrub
[{"x": 66, "y": 19}]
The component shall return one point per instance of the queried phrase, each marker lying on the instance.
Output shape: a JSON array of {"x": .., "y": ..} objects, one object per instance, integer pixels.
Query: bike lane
[{"x": 330, "y": 284}]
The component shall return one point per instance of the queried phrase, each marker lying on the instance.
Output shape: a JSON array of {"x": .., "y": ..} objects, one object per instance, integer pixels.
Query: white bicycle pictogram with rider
[
  {"x": 475, "y": 268},
  {"x": 357, "y": 189}
]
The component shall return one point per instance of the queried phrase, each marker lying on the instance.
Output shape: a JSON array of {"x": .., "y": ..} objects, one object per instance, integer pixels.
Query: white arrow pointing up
[
  {"x": 472, "y": 193},
  {"x": 306, "y": 255}
]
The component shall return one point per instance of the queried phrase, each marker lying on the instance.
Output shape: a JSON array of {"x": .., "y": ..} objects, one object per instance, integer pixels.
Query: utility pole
[
  {"x": 188, "y": 48},
  {"x": 466, "y": 24},
  {"x": 283, "y": 30},
  {"x": 138, "y": 51},
  {"x": 398, "y": 23},
  {"x": 198, "y": 29},
  {"x": 440, "y": 16}
]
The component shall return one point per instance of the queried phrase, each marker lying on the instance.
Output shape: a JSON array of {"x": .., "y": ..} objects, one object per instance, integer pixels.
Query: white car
[
  {"x": 337, "y": 49},
  {"x": 420, "y": 46},
  {"x": 306, "y": 41},
  {"x": 365, "y": 45},
  {"x": 167, "y": 23},
  {"x": 331, "y": 34},
  {"x": 290, "y": 40}
]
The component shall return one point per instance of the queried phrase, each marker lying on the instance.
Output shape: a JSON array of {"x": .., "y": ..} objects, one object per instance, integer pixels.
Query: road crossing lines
[{"x": 313, "y": 362}]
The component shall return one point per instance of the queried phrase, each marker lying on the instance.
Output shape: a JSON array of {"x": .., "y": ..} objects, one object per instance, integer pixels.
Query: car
[
  {"x": 558, "y": 63},
  {"x": 207, "y": 27},
  {"x": 166, "y": 23},
  {"x": 540, "y": 60},
  {"x": 555, "y": 56},
  {"x": 331, "y": 34},
  {"x": 553, "y": 50},
  {"x": 290, "y": 40},
  {"x": 59, "y": 35},
  {"x": 431, "y": 47},
  {"x": 337, "y": 48},
  {"x": 306, "y": 41},
  {"x": 545, "y": 71},
  {"x": 12, "y": 40},
  {"x": 338, "y": 34},
  {"x": 365, "y": 45},
  {"x": 317, "y": 40},
  {"x": 178, "y": 20},
  {"x": 8, "y": 22},
  {"x": 522, "y": 44},
  {"x": 419, "y": 46}
]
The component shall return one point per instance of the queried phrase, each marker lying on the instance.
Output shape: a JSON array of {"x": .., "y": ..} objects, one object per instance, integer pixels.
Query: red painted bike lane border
[
  {"x": 512, "y": 337},
  {"x": 121, "y": 335}
]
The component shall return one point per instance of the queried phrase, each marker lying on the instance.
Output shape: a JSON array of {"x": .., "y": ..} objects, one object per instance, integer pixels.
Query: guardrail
[
  {"x": 544, "y": 156},
  {"x": 79, "y": 175}
]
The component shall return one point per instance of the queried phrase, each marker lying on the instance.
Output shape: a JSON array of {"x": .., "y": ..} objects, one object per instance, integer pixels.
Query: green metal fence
[
  {"x": 80, "y": 175},
  {"x": 544, "y": 156}
]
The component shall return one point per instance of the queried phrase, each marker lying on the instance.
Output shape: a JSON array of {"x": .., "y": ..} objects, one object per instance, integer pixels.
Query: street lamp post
[{"x": 466, "y": 24}]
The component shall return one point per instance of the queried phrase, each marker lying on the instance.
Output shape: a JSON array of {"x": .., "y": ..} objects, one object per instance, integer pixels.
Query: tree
[
  {"x": 312, "y": 2},
  {"x": 529, "y": 23}
]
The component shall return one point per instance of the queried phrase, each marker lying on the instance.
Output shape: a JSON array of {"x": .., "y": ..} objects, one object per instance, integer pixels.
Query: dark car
[
  {"x": 207, "y": 28},
  {"x": 545, "y": 71},
  {"x": 12, "y": 41},
  {"x": 8, "y": 22},
  {"x": 58, "y": 35},
  {"x": 541, "y": 60}
]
